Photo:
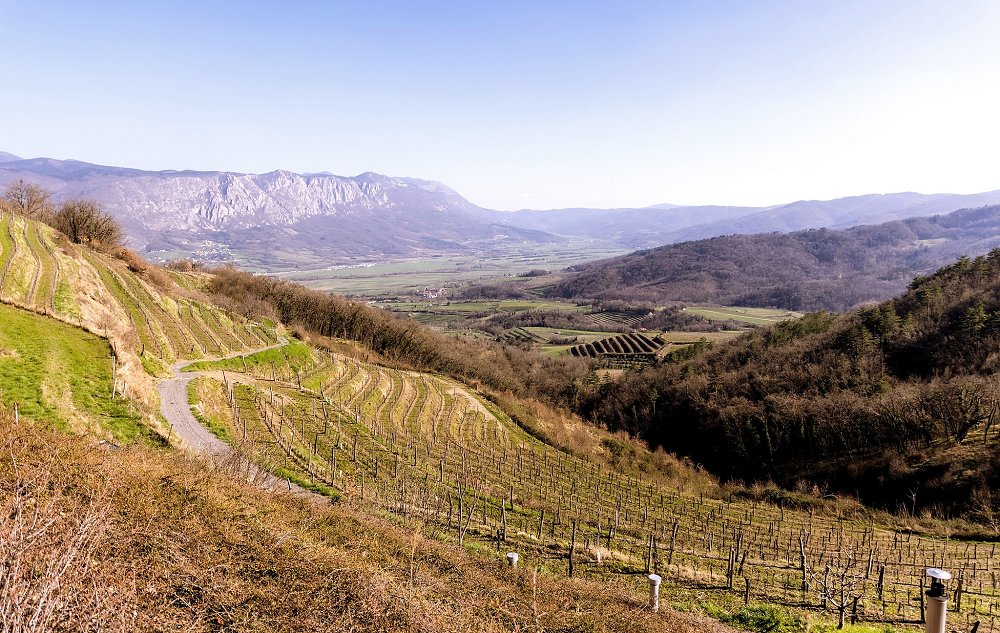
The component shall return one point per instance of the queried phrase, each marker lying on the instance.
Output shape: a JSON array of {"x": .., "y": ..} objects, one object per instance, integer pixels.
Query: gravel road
[{"x": 195, "y": 437}]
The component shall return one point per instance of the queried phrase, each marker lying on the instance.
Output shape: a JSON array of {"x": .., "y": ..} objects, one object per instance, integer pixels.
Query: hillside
[
  {"x": 139, "y": 539},
  {"x": 822, "y": 269},
  {"x": 412, "y": 463},
  {"x": 94, "y": 499},
  {"x": 881, "y": 402},
  {"x": 429, "y": 451}
]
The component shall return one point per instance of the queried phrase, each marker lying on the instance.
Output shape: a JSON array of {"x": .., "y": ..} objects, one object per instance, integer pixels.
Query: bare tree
[
  {"x": 85, "y": 222},
  {"x": 841, "y": 583},
  {"x": 28, "y": 199}
]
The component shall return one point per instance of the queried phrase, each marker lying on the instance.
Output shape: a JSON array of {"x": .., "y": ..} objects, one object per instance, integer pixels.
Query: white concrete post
[
  {"x": 654, "y": 592},
  {"x": 512, "y": 559}
]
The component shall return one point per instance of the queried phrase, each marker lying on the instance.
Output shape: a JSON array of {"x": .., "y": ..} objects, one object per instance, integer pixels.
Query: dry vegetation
[{"x": 135, "y": 539}]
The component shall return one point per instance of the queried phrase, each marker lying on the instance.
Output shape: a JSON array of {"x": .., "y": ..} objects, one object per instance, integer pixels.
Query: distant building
[{"x": 432, "y": 293}]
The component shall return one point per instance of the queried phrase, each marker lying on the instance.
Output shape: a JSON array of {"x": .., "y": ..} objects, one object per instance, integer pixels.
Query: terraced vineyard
[
  {"x": 172, "y": 328},
  {"x": 34, "y": 273},
  {"x": 628, "y": 319},
  {"x": 41, "y": 271},
  {"x": 520, "y": 335},
  {"x": 428, "y": 449},
  {"x": 625, "y": 350}
]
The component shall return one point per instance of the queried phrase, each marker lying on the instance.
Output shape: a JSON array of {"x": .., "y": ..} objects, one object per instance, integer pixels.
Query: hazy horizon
[{"x": 523, "y": 105}]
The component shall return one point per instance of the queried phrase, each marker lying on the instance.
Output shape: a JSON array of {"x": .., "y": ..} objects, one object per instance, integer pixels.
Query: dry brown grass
[{"x": 137, "y": 539}]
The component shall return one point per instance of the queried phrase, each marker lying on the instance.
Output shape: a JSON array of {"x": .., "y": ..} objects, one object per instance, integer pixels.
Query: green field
[
  {"x": 683, "y": 338},
  {"x": 753, "y": 316},
  {"x": 293, "y": 356},
  {"x": 461, "y": 314},
  {"x": 549, "y": 332},
  {"x": 60, "y": 375},
  {"x": 411, "y": 276}
]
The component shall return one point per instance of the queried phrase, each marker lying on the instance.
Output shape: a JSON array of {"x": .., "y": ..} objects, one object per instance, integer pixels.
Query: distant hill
[
  {"x": 278, "y": 219},
  {"x": 665, "y": 223},
  {"x": 805, "y": 270},
  {"x": 634, "y": 228},
  {"x": 894, "y": 398}
]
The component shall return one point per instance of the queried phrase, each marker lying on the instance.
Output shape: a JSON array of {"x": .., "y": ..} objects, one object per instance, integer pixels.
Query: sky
[{"x": 537, "y": 104}]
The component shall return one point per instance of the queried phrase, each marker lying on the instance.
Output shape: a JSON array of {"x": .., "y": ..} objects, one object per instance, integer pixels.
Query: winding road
[{"x": 199, "y": 440}]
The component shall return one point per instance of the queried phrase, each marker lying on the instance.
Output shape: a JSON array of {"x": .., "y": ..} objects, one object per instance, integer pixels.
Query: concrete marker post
[
  {"x": 512, "y": 559},
  {"x": 654, "y": 592}
]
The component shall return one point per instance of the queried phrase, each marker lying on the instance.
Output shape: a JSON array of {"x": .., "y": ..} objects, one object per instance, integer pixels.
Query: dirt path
[{"x": 199, "y": 440}]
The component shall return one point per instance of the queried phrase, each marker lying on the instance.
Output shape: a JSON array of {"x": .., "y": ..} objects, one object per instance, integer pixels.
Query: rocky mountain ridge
[{"x": 318, "y": 216}]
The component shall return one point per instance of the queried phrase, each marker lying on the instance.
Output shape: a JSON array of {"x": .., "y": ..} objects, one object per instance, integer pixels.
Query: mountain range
[
  {"x": 282, "y": 220},
  {"x": 277, "y": 218}
]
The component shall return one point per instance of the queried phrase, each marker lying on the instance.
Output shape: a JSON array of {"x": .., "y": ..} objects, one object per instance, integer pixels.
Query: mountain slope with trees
[
  {"x": 817, "y": 269},
  {"x": 881, "y": 402}
]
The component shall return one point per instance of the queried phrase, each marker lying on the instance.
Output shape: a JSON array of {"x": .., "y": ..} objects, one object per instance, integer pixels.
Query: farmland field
[
  {"x": 410, "y": 277},
  {"x": 428, "y": 450},
  {"x": 753, "y": 316},
  {"x": 172, "y": 329},
  {"x": 624, "y": 350}
]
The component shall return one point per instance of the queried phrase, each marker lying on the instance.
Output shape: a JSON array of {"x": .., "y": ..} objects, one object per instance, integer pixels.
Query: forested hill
[
  {"x": 892, "y": 398},
  {"x": 817, "y": 269}
]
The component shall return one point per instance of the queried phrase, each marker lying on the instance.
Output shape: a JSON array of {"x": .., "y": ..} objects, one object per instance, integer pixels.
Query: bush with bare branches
[
  {"x": 85, "y": 222},
  {"x": 28, "y": 199}
]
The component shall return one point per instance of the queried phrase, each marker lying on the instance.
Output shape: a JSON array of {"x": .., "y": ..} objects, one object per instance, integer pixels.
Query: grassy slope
[
  {"x": 207, "y": 398},
  {"x": 60, "y": 375},
  {"x": 22, "y": 266},
  {"x": 157, "y": 542},
  {"x": 294, "y": 355}
]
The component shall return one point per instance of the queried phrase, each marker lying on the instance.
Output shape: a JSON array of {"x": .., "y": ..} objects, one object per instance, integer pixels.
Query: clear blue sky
[{"x": 521, "y": 104}]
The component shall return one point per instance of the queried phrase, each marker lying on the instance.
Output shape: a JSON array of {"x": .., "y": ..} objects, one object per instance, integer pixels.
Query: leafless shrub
[
  {"x": 50, "y": 576},
  {"x": 85, "y": 222},
  {"x": 28, "y": 199}
]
